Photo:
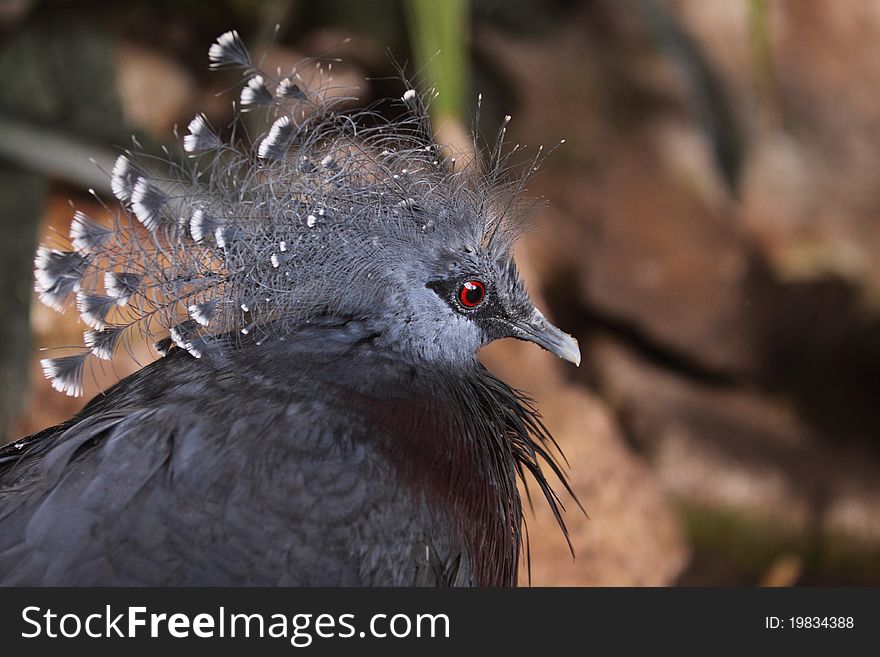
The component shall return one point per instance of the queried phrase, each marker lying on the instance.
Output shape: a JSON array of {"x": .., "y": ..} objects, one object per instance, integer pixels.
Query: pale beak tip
[
  {"x": 573, "y": 352},
  {"x": 547, "y": 336}
]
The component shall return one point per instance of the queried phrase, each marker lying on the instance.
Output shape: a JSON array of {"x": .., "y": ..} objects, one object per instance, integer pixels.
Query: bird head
[
  {"x": 461, "y": 291},
  {"x": 329, "y": 215}
]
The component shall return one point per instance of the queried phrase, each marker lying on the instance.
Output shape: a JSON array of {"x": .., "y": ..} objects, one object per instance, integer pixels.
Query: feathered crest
[{"x": 256, "y": 238}]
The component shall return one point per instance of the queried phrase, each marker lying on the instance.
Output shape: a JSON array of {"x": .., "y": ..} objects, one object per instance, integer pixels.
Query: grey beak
[{"x": 538, "y": 330}]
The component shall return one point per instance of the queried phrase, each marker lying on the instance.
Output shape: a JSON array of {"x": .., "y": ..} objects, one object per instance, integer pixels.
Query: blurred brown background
[{"x": 710, "y": 236}]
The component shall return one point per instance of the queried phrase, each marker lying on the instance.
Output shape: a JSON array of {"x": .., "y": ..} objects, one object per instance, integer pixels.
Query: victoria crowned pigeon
[{"x": 318, "y": 416}]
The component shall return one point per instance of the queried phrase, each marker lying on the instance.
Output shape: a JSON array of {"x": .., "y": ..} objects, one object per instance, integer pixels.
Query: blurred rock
[
  {"x": 811, "y": 200},
  {"x": 155, "y": 92},
  {"x": 13, "y": 12},
  {"x": 736, "y": 450},
  {"x": 660, "y": 250},
  {"x": 353, "y": 48},
  {"x": 784, "y": 571}
]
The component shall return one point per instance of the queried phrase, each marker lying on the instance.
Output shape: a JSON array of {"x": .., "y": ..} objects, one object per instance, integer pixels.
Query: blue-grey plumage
[{"x": 323, "y": 418}]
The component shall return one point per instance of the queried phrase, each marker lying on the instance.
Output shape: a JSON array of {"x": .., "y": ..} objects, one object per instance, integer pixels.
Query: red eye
[{"x": 472, "y": 294}]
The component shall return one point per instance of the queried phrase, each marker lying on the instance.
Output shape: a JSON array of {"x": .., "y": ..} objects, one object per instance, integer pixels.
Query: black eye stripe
[{"x": 467, "y": 294}]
